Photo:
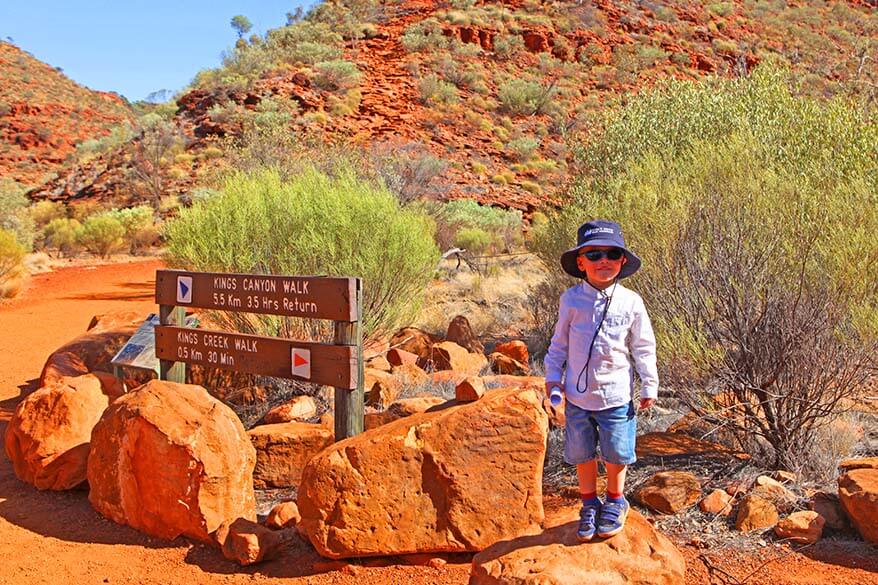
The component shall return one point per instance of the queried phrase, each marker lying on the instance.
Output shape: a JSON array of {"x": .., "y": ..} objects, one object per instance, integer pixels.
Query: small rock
[
  {"x": 717, "y": 502},
  {"x": 755, "y": 513},
  {"x": 451, "y": 356},
  {"x": 503, "y": 364},
  {"x": 859, "y": 463},
  {"x": 772, "y": 490},
  {"x": 381, "y": 388},
  {"x": 470, "y": 390},
  {"x": 398, "y": 357},
  {"x": 669, "y": 492},
  {"x": 283, "y": 515},
  {"x": 804, "y": 527},
  {"x": 410, "y": 375},
  {"x": 380, "y": 363},
  {"x": 282, "y": 450},
  {"x": 300, "y": 408},
  {"x": 827, "y": 505},
  {"x": 246, "y": 542},
  {"x": 784, "y": 476}
]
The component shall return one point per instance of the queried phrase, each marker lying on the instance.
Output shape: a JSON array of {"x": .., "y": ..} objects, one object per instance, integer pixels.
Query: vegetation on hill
[
  {"x": 489, "y": 94},
  {"x": 44, "y": 115}
]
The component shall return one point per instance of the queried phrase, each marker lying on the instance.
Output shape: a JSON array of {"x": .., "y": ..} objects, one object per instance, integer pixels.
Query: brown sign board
[
  {"x": 316, "y": 297},
  {"x": 332, "y": 365}
]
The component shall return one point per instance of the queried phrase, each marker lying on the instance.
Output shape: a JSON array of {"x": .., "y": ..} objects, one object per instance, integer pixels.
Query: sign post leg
[
  {"x": 349, "y": 404},
  {"x": 169, "y": 370}
]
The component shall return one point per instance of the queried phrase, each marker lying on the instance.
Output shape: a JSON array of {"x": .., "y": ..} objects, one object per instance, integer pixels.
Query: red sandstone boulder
[
  {"x": 416, "y": 341},
  {"x": 515, "y": 349},
  {"x": 92, "y": 350},
  {"x": 803, "y": 527},
  {"x": 469, "y": 390},
  {"x": 775, "y": 492},
  {"x": 47, "y": 439},
  {"x": 379, "y": 363},
  {"x": 637, "y": 555},
  {"x": 669, "y": 492},
  {"x": 858, "y": 493},
  {"x": 858, "y": 463},
  {"x": 410, "y": 374},
  {"x": 450, "y": 356},
  {"x": 247, "y": 542},
  {"x": 398, "y": 357},
  {"x": 300, "y": 408},
  {"x": 461, "y": 333},
  {"x": 282, "y": 450},
  {"x": 400, "y": 409},
  {"x": 380, "y": 388},
  {"x": 503, "y": 364},
  {"x": 458, "y": 479},
  {"x": 169, "y": 459},
  {"x": 827, "y": 505}
]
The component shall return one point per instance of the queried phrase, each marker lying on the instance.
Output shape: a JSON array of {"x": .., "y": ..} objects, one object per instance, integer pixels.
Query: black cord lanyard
[{"x": 594, "y": 337}]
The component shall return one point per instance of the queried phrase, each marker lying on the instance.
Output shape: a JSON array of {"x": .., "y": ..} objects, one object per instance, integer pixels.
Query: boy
[{"x": 602, "y": 328}]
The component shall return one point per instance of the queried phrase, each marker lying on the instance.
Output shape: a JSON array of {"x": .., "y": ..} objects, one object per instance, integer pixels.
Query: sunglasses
[{"x": 596, "y": 255}]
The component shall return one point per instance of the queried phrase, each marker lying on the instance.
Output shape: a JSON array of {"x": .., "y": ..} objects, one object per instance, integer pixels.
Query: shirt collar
[{"x": 592, "y": 292}]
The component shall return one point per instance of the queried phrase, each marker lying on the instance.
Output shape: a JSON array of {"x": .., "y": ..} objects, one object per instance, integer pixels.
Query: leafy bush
[
  {"x": 137, "y": 222},
  {"x": 436, "y": 91},
  {"x": 14, "y": 214},
  {"x": 524, "y": 147},
  {"x": 473, "y": 240},
  {"x": 62, "y": 234},
  {"x": 337, "y": 75},
  {"x": 423, "y": 36},
  {"x": 310, "y": 224},
  {"x": 463, "y": 214},
  {"x": 101, "y": 234},
  {"x": 753, "y": 210},
  {"x": 11, "y": 256},
  {"x": 522, "y": 97},
  {"x": 507, "y": 46}
]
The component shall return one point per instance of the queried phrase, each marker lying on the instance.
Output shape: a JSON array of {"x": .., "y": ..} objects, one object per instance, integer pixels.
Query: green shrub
[
  {"x": 137, "y": 222},
  {"x": 473, "y": 240},
  {"x": 14, "y": 215},
  {"x": 311, "y": 224},
  {"x": 11, "y": 256},
  {"x": 524, "y": 147},
  {"x": 435, "y": 91},
  {"x": 42, "y": 212},
  {"x": 101, "y": 234},
  {"x": 522, "y": 97},
  {"x": 424, "y": 36},
  {"x": 337, "y": 75},
  {"x": 63, "y": 235},
  {"x": 508, "y": 46}
]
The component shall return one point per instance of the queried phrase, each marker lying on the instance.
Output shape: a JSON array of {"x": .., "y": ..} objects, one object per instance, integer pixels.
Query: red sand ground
[{"x": 50, "y": 537}]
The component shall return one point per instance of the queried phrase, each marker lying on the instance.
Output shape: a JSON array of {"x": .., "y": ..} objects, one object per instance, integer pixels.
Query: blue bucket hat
[{"x": 599, "y": 233}]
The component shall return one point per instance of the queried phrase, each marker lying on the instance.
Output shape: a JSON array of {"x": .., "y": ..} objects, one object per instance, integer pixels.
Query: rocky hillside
[
  {"x": 481, "y": 99},
  {"x": 44, "y": 115}
]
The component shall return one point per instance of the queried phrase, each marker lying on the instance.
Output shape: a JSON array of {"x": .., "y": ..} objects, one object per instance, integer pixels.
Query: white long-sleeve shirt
[{"x": 625, "y": 342}]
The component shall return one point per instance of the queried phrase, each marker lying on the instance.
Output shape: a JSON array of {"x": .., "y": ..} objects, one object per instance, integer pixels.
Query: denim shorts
[{"x": 614, "y": 428}]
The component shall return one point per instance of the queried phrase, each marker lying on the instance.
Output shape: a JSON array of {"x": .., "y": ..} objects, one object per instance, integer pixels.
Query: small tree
[
  {"x": 241, "y": 24},
  {"x": 150, "y": 157}
]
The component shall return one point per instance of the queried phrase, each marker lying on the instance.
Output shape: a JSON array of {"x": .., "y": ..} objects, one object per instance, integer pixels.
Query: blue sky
[{"x": 134, "y": 47}]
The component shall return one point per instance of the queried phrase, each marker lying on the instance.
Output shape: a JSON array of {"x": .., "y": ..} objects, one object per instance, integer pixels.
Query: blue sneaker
[
  {"x": 612, "y": 519},
  {"x": 588, "y": 521}
]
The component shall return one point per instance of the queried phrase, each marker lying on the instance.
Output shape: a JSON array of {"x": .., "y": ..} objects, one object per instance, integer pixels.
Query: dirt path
[{"x": 56, "y": 538}]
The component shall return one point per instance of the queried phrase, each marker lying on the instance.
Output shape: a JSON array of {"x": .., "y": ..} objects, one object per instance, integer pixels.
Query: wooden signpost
[{"x": 338, "y": 299}]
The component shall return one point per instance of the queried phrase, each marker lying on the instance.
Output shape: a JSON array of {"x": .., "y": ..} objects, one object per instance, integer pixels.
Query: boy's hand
[{"x": 645, "y": 403}]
